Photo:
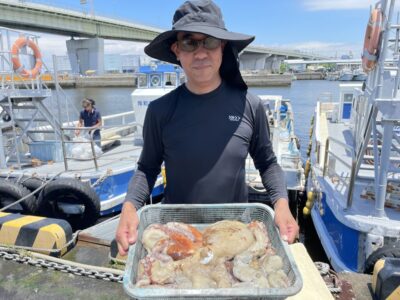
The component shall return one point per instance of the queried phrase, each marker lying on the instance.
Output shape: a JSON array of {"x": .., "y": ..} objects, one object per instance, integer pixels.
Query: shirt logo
[{"x": 234, "y": 118}]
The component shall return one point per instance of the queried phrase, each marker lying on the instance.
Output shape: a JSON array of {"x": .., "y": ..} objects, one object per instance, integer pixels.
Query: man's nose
[{"x": 201, "y": 52}]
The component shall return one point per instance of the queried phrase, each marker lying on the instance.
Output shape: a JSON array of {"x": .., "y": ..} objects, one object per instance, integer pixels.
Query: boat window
[
  {"x": 142, "y": 80},
  {"x": 348, "y": 97}
]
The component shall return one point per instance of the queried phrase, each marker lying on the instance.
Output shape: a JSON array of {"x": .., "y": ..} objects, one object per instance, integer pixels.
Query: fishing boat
[
  {"x": 359, "y": 75},
  {"x": 44, "y": 169},
  {"x": 332, "y": 76},
  {"x": 345, "y": 75},
  {"x": 354, "y": 183},
  {"x": 286, "y": 147}
]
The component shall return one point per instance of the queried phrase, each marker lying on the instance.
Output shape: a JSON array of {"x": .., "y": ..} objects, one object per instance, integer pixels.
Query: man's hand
[
  {"x": 126, "y": 234},
  {"x": 287, "y": 225}
]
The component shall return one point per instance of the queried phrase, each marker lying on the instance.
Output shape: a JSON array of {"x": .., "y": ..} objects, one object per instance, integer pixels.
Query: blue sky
[{"x": 324, "y": 26}]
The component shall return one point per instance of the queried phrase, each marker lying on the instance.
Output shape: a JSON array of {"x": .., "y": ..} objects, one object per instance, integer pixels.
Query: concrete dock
[
  {"x": 108, "y": 80},
  {"x": 265, "y": 79},
  {"x": 309, "y": 76},
  {"x": 255, "y": 78},
  {"x": 129, "y": 80},
  {"x": 23, "y": 282}
]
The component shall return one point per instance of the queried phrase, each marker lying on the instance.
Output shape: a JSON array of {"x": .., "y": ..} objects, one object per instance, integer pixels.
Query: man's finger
[
  {"x": 121, "y": 250},
  {"x": 287, "y": 231},
  {"x": 291, "y": 237},
  {"x": 123, "y": 244},
  {"x": 132, "y": 234},
  {"x": 291, "y": 231}
]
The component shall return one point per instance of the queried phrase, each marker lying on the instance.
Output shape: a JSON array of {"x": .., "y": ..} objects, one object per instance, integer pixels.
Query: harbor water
[{"x": 302, "y": 93}]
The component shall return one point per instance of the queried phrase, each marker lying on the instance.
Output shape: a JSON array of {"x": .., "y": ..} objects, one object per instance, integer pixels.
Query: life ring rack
[
  {"x": 155, "y": 80},
  {"x": 17, "y": 65},
  {"x": 372, "y": 40}
]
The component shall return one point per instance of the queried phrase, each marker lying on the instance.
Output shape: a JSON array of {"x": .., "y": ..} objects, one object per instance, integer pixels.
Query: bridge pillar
[
  {"x": 86, "y": 54},
  {"x": 273, "y": 63},
  {"x": 252, "y": 61}
]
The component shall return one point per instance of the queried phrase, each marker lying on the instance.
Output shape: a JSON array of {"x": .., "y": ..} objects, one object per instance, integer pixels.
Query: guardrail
[
  {"x": 91, "y": 131},
  {"x": 120, "y": 115},
  {"x": 352, "y": 166}
]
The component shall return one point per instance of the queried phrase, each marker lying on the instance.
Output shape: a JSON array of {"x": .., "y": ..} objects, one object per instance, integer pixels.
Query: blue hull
[
  {"x": 339, "y": 241},
  {"x": 112, "y": 191}
]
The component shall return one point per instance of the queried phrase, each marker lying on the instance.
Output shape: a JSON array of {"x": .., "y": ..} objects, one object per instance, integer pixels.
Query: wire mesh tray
[{"x": 201, "y": 215}]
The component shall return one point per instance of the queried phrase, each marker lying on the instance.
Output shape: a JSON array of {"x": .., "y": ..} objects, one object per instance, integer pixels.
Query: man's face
[
  {"x": 86, "y": 106},
  {"x": 200, "y": 57}
]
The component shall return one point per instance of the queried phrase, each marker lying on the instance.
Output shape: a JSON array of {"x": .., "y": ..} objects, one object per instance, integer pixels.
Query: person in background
[
  {"x": 90, "y": 117},
  {"x": 204, "y": 129}
]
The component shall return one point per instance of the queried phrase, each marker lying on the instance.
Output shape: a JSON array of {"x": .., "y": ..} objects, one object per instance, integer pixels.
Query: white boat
[
  {"x": 37, "y": 157},
  {"x": 345, "y": 75},
  {"x": 359, "y": 75},
  {"x": 332, "y": 76},
  {"x": 285, "y": 144},
  {"x": 354, "y": 183}
]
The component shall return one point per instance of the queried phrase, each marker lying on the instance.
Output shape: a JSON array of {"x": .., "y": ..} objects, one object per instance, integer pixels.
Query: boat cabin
[
  {"x": 153, "y": 81},
  {"x": 348, "y": 92}
]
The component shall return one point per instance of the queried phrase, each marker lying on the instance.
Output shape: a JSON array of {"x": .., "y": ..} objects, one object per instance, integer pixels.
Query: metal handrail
[
  {"x": 353, "y": 167},
  {"x": 340, "y": 159},
  {"x": 91, "y": 141},
  {"x": 120, "y": 115}
]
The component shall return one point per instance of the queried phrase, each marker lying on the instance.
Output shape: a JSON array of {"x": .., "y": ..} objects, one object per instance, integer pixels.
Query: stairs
[{"x": 31, "y": 121}]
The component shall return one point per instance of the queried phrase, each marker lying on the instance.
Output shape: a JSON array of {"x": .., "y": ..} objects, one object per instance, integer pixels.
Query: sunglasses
[{"x": 189, "y": 44}]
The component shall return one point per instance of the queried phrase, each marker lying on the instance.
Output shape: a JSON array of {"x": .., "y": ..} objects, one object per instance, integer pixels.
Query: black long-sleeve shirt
[{"x": 204, "y": 141}]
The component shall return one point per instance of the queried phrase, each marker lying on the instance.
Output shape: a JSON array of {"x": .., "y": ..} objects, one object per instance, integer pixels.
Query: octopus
[
  {"x": 227, "y": 254},
  {"x": 246, "y": 265},
  {"x": 227, "y": 238},
  {"x": 172, "y": 240}
]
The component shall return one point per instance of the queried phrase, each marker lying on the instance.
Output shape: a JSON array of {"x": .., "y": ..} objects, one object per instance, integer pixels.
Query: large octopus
[{"x": 227, "y": 254}]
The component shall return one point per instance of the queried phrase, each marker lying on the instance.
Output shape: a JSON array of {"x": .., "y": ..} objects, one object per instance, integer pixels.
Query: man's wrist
[
  {"x": 281, "y": 202},
  {"x": 128, "y": 205}
]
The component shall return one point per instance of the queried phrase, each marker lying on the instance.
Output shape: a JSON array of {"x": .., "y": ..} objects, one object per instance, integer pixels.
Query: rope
[
  {"x": 329, "y": 276},
  {"x": 102, "y": 178},
  {"x": 30, "y": 194}
]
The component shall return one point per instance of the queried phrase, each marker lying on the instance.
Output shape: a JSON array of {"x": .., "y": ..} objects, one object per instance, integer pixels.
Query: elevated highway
[{"x": 43, "y": 18}]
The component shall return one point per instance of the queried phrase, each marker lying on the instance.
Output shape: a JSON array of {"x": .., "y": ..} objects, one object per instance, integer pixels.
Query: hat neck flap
[{"x": 229, "y": 69}]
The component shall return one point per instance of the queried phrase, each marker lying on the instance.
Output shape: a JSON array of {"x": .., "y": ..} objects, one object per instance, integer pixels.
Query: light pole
[{"x": 84, "y": 2}]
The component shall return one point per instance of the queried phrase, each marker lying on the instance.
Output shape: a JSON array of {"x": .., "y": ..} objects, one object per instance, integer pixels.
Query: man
[
  {"x": 90, "y": 117},
  {"x": 204, "y": 129}
]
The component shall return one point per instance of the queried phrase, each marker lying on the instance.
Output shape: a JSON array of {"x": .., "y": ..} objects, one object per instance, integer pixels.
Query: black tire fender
[
  {"x": 6, "y": 117},
  {"x": 15, "y": 190},
  {"x": 73, "y": 191},
  {"x": 32, "y": 183},
  {"x": 392, "y": 250}
]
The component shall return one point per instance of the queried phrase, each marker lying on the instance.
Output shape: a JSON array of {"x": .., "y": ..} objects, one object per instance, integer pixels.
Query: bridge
[{"x": 87, "y": 53}]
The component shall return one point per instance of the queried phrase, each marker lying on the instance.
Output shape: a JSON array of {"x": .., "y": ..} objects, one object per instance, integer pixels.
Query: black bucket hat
[{"x": 201, "y": 16}]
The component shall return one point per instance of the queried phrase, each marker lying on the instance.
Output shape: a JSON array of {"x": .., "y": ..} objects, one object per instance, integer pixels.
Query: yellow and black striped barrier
[
  {"x": 38, "y": 234},
  {"x": 386, "y": 279}
]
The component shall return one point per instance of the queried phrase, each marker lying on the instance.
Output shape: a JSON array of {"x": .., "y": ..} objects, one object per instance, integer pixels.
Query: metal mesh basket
[{"x": 201, "y": 216}]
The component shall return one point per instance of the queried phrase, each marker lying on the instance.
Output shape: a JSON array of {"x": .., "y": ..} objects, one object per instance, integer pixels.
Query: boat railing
[
  {"x": 331, "y": 109},
  {"x": 123, "y": 116},
  {"x": 351, "y": 166},
  {"x": 131, "y": 126}
]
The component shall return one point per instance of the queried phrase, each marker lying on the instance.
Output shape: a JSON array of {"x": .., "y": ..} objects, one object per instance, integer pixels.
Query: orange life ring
[
  {"x": 371, "y": 41},
  {"x": 18, "y": 67}
]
